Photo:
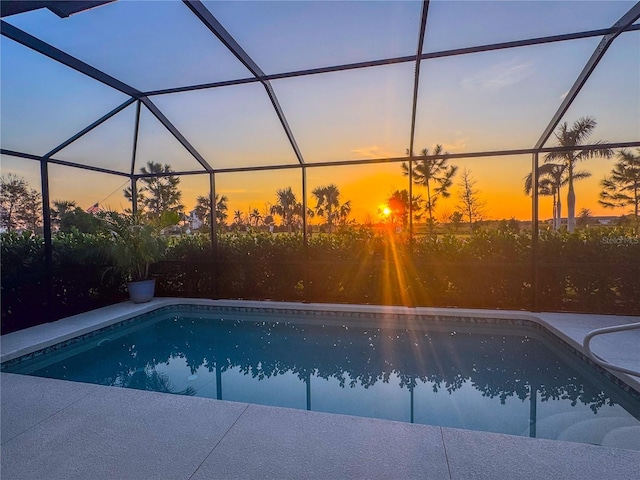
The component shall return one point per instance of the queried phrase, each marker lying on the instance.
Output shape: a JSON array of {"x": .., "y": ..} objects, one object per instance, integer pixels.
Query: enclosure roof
[{"x": 215, "y": 86}]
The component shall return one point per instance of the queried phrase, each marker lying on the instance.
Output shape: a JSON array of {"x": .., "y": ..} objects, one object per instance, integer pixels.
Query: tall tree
[
  {"x": 159, "y": 193},
  {"x": 255, "y": 217},
  {"x": 433, "y": 173},
  {"x": 203, "y": 209},
  {"x": 550, "y": 178},
  {"x": 328, "y": 205},
  {"x": 469, "y": 203},
  {"x": 238, "y": 218},
  {"x": 20, "y": 205},
  {"x": 622, "y": 188},
  {"x": 574, "y": 136},
  {"x": 286, "y": 207},
  {"x": 13, "y": 191},
  {"x": 31, "y": 214}
]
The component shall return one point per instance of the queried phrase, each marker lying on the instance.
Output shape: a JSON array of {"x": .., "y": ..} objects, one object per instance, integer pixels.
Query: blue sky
[{"x": 493, "y": 100}]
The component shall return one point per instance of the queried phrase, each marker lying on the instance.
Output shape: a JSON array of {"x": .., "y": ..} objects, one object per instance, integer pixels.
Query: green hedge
[{"x": 594, "y": 270}]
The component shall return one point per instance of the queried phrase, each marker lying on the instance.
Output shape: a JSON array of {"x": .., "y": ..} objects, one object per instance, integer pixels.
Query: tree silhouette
[
  {"x": 433, "y": 173},
  {"x": 585, "y": 217},
  {"x": 159, "y": 192},
  {"x": 575, "y": 136},
  {"x": 238, "y": 218},
  {"x": 456, "y": 219},
  {"x": 468, "y": 202},
  {"x": 20, "y": 205},
  {"x": 66, "y": 215},
  {"x": 255, "y": 217},
  {"x": 398, "y": 203},
  {"x": 286, "y": 207},
  {"x": 61, "y": 208},
  {"x": 328, "y": 205},
  {"x": 203, "y": 209},
  {"x": 622, "y": 188},
  {"x": 551, "y": 178}
]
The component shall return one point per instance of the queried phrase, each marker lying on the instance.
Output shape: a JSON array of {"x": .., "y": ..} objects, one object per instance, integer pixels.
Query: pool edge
[{"x": 23, "y": 342}]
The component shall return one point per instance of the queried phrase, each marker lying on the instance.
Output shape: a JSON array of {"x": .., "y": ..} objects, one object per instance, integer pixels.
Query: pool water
[{"x": 506, "y": 379}]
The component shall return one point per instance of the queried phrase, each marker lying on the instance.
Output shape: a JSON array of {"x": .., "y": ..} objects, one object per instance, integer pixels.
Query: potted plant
[{"x": 136, "y": 245}]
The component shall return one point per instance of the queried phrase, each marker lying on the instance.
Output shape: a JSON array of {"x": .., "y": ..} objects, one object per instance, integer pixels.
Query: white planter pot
[{"x": 141, "y": 292}]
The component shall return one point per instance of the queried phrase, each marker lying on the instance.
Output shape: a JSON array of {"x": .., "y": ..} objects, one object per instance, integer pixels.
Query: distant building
[
  {"x": 606, "y": 220},
  {"x": 595, "y": 220},
  {"x": 194, "y": 222}
]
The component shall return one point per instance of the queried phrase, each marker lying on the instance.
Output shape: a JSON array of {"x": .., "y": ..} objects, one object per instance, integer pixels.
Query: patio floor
[{"x": 54, "y": 429}]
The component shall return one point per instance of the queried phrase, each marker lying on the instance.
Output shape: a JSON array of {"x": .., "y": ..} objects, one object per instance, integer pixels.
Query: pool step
[
  {"x": 552, "y": 426},
  {"x": 623, "y": 437},
  {"x": 596, "y": 429}
]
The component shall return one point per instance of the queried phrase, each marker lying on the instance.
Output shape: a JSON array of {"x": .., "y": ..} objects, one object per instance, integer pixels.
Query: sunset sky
[{"x": 478, "y": 102}]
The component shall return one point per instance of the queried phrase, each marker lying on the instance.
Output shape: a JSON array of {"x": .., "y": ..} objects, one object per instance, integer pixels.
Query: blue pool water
[{"x": 500, "y": 378}]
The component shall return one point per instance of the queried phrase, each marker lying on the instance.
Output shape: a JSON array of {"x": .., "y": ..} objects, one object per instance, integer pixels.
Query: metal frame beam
[
  {"x": 213, "y": 215},
  {"x": 367, "y": 161},
  {"x": 416, "y": 79},
  {"x": 136, "y": 131},
  {"x": 620, "y": 26},
  {"x": 46, "y": 233},
  {"x": 535, "y": 249},
  {"x": 396, "y": 60},
  {"x": 86, "y": 130},
  {"x": 38, "y": 158},
  {"x": 496, "y": 153},
  {"x": 414, "y": 110},
  {"x": 209, "y": 21},
  {"x": 176, "y": 133},
  {"x": 52, "y": 52},
  {"x": 61, "y": 8}
]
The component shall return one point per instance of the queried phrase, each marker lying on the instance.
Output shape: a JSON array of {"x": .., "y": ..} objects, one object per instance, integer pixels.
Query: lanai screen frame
[{"x": 624, "y": 24}]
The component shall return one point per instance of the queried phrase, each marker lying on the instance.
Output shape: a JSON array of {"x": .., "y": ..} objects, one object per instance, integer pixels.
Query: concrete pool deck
[{"x": 54, "y": 429}]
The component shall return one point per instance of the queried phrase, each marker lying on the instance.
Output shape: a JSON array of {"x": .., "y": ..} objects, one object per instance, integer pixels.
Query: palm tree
[
  {"x": 287, "y": 207},
  {"x": 547, "y": 188},
  {"x": 575, "y": 136},
  {"x": 435, "y": 175},
  {"x": 221, "y": 210},
  {"x": 255, "y": 217},
  {"x": 328, "y": 205},
  {"x": 622, "y": 188},
  {"x": 551, "y": 177},
  {"x": 60, "y": 209},
  {"x": 343, "y": 212},
  {"x": 238, "y": 218},
  {"x": 203, "y": 209}
]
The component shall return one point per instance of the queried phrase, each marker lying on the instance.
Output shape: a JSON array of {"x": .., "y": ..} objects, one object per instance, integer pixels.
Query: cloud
[
  {"x": 564, "y": 95},
  {"x": 373, "y": 151},
  {"x": 498, "y": 76},
  {"x": 459, "y": 145}
]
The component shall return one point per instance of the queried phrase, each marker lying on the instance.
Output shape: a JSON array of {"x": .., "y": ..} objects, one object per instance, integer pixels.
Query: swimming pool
[{"x": 482, "y": 374}]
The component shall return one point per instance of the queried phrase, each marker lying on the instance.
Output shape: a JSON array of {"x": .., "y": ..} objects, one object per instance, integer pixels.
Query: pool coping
[{"x": 570, "y": 328}]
